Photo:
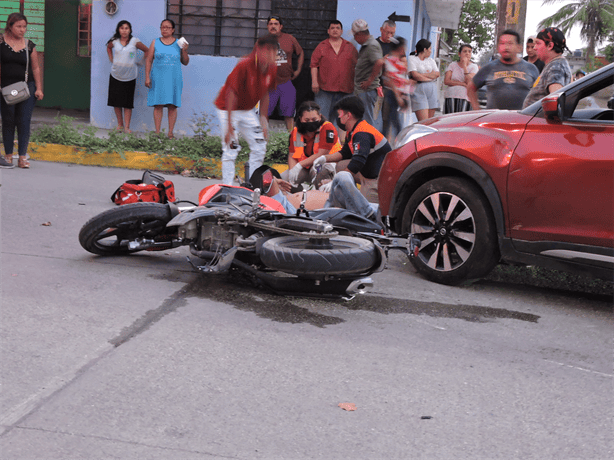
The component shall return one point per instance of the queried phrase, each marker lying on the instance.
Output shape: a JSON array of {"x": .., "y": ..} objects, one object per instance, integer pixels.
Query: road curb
[{"x": 127, "y": 159}]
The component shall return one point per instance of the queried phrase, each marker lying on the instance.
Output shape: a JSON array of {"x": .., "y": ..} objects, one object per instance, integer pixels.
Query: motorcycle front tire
[
  {"x": 292, "y": 254},
  {"x": 109, "y": 233}
]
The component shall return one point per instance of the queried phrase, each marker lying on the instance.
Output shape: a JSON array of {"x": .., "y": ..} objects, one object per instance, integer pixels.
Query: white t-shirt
[
  {"x": 124, "y": 60},
  {"x": 416, "y": 64},
  {"x": 458, "y": 74}
]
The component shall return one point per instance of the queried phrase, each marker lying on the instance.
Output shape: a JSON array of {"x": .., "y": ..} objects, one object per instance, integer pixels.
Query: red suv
[{"x": 534, "y": 187}]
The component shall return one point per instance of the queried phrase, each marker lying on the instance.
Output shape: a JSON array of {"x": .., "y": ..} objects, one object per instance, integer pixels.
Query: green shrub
[{"x": 201, "y": 145}]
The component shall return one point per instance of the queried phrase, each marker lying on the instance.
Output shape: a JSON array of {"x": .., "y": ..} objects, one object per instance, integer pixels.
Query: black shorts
[
  {"x": 121, "y": 93},
  {"x": 452, "y": 105}
]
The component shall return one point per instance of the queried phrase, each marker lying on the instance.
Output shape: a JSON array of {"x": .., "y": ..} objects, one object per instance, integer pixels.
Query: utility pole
[{"x": 511, "y": 14}]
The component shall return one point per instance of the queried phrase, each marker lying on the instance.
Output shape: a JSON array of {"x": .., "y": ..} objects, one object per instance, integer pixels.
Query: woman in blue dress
[{"x": 163, "y": 75}]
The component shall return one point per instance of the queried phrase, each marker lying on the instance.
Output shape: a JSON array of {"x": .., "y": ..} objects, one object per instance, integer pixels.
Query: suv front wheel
[{"x": 452, "y": 219}]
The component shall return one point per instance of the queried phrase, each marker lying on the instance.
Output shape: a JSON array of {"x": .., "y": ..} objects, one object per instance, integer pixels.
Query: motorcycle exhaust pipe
[{"x": 359, "y": 286}]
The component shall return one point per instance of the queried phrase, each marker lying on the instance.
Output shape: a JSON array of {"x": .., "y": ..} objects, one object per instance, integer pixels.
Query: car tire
[{"x": 453, "y": 221}]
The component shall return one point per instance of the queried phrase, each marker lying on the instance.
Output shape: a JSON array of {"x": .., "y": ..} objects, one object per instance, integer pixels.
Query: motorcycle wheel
[
  {"x": 294, "y": 254},
  {"x": 109, "y": 233}
]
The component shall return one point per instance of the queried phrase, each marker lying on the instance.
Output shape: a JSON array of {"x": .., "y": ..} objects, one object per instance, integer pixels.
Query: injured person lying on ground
[{"x": 343, "y": 194}]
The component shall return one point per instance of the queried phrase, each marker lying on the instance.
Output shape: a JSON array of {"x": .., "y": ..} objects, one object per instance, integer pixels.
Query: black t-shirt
[
  {"x": 14, "y": 64},
  {"x": 539, "y": 63},
  {"x": 385, "y": 46},
  {"x": 363, "y": 160}
]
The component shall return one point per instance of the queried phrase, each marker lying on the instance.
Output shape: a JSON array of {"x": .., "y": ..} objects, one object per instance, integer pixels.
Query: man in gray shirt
[
  {"x": 368, "y": 69},
  {"x": 508, "y": 79},
  {"x": 549, "y": 46}
]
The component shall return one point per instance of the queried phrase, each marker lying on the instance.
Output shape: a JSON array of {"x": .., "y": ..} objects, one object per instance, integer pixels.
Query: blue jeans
[
  {"x": 391, "y": 114},
  {"x": 344, "y": 194},
  {"x": 18, "y": 117},
  {"x": 327, "y": 100},
  {"x": 369, "y": 98}
]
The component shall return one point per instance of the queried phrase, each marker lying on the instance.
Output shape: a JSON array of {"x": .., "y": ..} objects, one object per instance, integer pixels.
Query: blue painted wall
[
  {"x": 205, "y": 75},
  {"x": 202, "y": 77},
  {"x": 375, "y": 13}
]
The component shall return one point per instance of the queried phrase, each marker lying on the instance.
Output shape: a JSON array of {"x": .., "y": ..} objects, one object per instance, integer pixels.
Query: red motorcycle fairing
[{"x": 214, "y": 192}]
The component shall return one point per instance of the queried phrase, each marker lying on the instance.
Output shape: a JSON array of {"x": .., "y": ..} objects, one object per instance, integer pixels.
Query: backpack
[{"x": 151, "y": 188}]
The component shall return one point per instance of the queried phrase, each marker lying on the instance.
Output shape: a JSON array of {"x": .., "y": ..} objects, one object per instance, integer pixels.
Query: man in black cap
[
  {"x": 549, "y": 46},
  {"x": 532, "y": 55}
]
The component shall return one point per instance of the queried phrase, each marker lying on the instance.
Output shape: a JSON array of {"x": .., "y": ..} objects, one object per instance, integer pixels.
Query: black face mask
[
  {"x": 341, "y": 125},
  {"x": 308, "y": 127}
]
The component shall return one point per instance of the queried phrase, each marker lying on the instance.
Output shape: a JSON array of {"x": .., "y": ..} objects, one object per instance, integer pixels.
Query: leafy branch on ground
[{"x": 201, "y": 146}]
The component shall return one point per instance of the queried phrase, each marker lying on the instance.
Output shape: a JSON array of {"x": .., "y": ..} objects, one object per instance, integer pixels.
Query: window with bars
[
  {"x": 231, "y": 27},
  {"x": 220, "y": 27},
  {"x": 84, "y": 30}
]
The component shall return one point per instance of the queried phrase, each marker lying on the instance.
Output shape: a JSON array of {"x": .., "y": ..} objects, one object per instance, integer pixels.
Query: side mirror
[{"x": 552, "y": 106}]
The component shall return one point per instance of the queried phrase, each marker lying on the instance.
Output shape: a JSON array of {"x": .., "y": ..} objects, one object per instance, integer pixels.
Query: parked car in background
[{"x": 531, "y": 187}]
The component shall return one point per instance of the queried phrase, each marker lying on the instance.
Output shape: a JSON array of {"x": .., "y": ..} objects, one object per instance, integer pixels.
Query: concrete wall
[
  {"x": 202, "y": 77},
  {"x": 375, "y": 13},
  {"x": 205, "y": 75}
]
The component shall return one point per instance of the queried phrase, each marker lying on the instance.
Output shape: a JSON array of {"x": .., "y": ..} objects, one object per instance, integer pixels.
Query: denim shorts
[{"x": 425, "y": 96}]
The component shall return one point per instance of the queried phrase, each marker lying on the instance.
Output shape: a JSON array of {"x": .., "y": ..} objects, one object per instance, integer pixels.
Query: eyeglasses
[{"x": 165, "y": 27}]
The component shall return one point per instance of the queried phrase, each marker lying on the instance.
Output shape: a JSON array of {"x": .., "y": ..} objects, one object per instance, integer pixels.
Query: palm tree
[{"x": 595, "y": 17}]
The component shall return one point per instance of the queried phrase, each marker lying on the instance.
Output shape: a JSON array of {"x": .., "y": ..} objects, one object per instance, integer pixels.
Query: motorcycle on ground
[{"x": 329, "y": 252}]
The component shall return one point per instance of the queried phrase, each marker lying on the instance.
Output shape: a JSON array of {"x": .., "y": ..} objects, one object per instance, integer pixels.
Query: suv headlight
[{"x": 412, "y": 132}]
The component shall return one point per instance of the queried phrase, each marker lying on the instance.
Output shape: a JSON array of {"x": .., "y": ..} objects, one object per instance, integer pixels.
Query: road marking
[{"x": 579, "y": 368}]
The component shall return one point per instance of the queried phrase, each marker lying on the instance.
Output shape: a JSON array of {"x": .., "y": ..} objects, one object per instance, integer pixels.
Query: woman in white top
[
  {"x": 121, "y": 49},
  {"x": 424, "y": 70},
  {"x": 458, "y": 75}
]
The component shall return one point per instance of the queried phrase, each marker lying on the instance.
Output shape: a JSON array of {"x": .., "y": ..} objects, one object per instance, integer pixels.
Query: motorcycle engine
[{"x": 214, "y": 237}]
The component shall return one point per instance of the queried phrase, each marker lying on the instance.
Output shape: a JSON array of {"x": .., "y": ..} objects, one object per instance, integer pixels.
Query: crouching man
[
  {"x": 312, "y": 137},
  {"x": 364, "y": 150}
]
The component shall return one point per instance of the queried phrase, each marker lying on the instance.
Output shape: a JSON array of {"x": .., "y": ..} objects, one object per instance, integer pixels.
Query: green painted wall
[
  {"x": 66, "y": 76},
  {"x": 34, "y": 11}
]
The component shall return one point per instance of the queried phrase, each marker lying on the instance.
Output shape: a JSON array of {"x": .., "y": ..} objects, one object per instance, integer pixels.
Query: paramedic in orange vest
[
  {"x": 313, "y": 136},
  {"x": 364, "y": 150}
]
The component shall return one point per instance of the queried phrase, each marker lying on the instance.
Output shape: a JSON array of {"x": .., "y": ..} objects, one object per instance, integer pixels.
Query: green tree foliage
[
  {"x": 594, "y": 17},
  {"x": 476, "y": 27}
]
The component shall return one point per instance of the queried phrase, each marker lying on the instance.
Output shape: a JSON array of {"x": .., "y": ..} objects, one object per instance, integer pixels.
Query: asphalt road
[{"x": 139, "y": 357}]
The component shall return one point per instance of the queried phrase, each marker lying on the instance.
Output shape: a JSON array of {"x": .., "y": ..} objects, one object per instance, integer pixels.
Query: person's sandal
[
  {"x": 9, "y": 158},
  {"x": 23, "y": 163}
]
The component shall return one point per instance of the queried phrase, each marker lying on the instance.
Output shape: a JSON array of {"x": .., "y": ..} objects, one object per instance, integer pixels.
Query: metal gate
[{"x": 307, "y": 21}]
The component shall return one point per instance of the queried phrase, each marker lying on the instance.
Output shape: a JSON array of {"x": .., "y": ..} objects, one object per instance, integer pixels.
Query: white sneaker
[{"x": 5, "y": 164}]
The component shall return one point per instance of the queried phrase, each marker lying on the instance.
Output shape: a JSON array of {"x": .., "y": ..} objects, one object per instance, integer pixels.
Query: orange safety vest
[
  {"x": 299, "y": 144},
  {"x": 364, "y": 127}
]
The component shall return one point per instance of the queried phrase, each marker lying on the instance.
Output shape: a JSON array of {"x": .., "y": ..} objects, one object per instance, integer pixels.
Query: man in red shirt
[
  {"x": 332, "y": 69},
  {"x": 285, "y": 93},
  {"x": 249, "y": 82}
]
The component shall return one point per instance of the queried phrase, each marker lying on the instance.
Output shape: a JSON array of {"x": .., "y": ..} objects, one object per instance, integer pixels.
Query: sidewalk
[{"x": 49, "y": 116}]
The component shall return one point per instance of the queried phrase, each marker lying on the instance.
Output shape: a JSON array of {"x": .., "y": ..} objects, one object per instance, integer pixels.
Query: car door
[{"x": 561, "y": 178}]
